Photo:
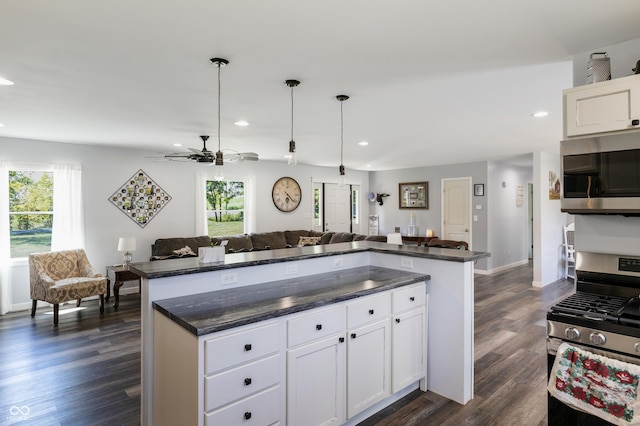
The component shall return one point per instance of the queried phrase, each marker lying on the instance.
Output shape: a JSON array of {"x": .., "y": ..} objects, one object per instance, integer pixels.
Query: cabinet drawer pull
[
  {"x": 318, "y": 327},
  {"x": 635, "y": 122},
  {"x": 413, "y": 299},
  {"x": 247, "y": 347},
  {"x": 398, "y": 320},
  {"x": 353, "y": 335},
  {"x": 341, "y": 339},
  {"x": 247, "y": 381},
  {"x": 247, "y": 415},
  {"x": 370, "y": 311}
]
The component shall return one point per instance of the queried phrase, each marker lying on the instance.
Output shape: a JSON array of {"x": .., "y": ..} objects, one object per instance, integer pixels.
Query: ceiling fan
[{"x": 209, "y": 157}]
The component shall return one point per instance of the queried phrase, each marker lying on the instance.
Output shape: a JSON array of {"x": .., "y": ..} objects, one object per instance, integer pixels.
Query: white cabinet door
[
  {"x": 368, "y": 366},
  {"x": 316, "y": 383},
  {"x": 408, "y": 356},
  {"x": 607, "y": 106}
]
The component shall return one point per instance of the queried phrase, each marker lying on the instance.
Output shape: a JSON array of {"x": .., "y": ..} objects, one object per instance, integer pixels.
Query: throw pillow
[
  {"x": 184, "y": 251},
  {"x": 308, "y": 241}
]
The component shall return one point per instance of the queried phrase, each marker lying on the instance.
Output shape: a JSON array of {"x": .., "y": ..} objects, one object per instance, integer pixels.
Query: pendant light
[
  {"x": 292, "y": 144},
  {"x": 341, "y": 98},
  {"x": 219, "y": 163}
]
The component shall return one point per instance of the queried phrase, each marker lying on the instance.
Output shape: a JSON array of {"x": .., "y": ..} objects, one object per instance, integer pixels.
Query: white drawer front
[
  {"x": 260, "y": 409},
  {"x": 241, "y": 382},
  {"x": 238, "y": 348},
  {"x": 368, "y": 309},
  {"x": 315, "y": 325},
  {"x": 407, "y": 298}
]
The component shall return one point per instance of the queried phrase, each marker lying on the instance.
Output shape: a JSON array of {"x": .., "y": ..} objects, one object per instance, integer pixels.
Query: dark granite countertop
[
  {"x": 191, "y": 265},
  {"x": 214, "y": 311}
]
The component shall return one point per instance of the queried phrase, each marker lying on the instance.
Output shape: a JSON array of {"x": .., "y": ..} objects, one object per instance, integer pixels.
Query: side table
[{"x": 119, "y": 274}]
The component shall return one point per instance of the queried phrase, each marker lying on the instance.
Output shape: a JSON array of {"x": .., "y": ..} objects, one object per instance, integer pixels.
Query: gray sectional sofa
[{"x": 172, "y": 248}]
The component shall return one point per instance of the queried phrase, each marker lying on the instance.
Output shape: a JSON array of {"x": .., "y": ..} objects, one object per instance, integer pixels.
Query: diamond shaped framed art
[{"x": 140, "y": 198}]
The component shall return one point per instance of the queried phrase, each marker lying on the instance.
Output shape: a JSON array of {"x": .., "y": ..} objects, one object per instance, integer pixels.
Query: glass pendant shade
[{"x": 293, "y": 160}]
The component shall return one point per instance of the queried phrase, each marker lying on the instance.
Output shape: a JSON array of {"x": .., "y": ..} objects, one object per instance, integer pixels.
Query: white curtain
[
  {"x": 250, "y": 213},
  {"x": 201, "y": 204},
  {"x": 5, "y": 251},
  {"x": 68, "y": 216}
]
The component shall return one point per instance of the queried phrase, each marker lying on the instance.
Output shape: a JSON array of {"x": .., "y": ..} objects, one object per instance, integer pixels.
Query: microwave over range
[{"x": 601, "y": 175}]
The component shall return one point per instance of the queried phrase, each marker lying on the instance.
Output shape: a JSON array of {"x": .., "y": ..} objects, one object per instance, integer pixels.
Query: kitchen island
[{"x": 450, "y": 293}]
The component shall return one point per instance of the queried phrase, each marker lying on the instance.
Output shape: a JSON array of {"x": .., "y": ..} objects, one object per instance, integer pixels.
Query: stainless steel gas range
[{"x": 602, "y": 317}]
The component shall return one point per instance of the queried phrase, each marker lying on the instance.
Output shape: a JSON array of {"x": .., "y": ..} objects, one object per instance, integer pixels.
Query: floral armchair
[{"x": 61, "y": 276}]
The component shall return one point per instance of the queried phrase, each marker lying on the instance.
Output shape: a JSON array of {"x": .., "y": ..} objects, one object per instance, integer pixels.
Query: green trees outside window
[
  {"x": 30, "y": 212},
  {"x": 225, "y": 207}
]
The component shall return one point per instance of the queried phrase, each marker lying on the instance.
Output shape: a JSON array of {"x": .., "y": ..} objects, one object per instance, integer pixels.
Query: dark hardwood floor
[{"x": 87, "y": 371}]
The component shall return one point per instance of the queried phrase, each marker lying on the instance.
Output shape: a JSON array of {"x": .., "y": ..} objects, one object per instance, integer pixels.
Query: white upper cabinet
[{"x": 608, "y": 106}]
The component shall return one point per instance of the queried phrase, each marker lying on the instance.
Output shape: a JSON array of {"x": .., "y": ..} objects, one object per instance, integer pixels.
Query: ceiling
[{"x": 431, "y": 82}]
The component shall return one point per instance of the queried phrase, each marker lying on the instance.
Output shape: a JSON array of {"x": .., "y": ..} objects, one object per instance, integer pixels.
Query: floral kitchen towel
[{"x": 599, "y": 385}]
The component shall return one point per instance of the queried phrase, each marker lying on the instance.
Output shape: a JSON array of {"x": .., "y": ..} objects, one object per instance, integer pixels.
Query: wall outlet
[
  {"x": 338, "y": 262},
  {"x": 406, "y": 262},
  {"x": 229, "y": 278},
  {"x": 291, "y": 268}
]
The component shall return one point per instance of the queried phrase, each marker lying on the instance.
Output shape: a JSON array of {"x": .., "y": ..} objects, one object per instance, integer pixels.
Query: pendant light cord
[
  {"x": 292, "y": 112},
  {"x": 341, "y": 132},
  {"x": 219, "y": 66}
]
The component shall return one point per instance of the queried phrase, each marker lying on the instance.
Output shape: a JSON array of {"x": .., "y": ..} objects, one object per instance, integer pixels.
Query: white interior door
[
  {"x": 337, "y": 207},
  {"x": 456, "y": 209}
]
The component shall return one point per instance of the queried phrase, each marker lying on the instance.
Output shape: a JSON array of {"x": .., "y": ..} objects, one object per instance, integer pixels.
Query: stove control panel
[{"x": 604, "y": 340}]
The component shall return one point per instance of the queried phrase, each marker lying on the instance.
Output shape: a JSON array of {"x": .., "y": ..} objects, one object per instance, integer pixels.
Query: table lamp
[{"x": 127, "y": 245}]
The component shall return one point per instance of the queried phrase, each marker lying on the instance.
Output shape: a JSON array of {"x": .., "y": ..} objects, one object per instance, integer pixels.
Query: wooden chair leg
[
  {"x": 102, "y": 304},
  {"x": 56, "y": 309},
  {"x": 34, "y": 304}
]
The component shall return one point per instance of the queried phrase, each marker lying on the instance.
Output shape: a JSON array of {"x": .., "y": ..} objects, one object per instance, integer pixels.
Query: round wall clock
[{"x": 286, "y": 194}]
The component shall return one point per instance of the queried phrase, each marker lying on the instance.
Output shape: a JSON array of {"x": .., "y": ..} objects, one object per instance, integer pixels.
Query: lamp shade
[{"x": 127, "y": 244}]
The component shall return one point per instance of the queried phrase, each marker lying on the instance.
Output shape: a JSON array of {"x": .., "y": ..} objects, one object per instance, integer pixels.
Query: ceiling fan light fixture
[
  {"x": 341, "y": 98},
  {"x": 293, "y": 160}
]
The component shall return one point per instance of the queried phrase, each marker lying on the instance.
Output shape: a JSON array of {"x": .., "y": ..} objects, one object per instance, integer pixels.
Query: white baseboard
[{"x": 501, "y": 268}]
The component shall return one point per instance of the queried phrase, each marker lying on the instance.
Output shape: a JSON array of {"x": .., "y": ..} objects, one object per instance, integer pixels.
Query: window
[
  {"x": 30, "y": 211},
  {"x": 225, "y": 207}
]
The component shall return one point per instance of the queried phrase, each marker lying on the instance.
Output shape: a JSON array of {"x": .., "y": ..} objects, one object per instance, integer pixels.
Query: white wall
[
  {"x": 548, "y": 222},
  {"x": 106, "y": 169},
  {"x": 507, "y": 222}
]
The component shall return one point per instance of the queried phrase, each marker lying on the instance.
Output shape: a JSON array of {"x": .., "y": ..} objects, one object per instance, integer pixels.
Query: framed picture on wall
[
  {"x": 478, "y": 189},
  {"x": 414, "y": 195}
]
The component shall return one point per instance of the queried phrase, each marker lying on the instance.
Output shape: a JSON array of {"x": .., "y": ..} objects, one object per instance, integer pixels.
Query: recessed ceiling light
[
  {"x": 368, "y": 165},
  {"x": 241, "y": 123},
  {"x": 5, "y": 82},
  {"x": 540, "y": 114},
  {"x": 363, "y": 143},
  {"x": 1, "y": 125},
  {"x": 177, "y": 144}
]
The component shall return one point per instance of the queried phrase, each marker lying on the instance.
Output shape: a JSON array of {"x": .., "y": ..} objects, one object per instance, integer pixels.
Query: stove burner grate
[{"x": 589, "y": 305}]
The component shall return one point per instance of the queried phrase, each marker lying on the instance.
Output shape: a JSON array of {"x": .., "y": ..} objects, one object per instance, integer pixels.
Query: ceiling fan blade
[{"x": 196, "y": 151}]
